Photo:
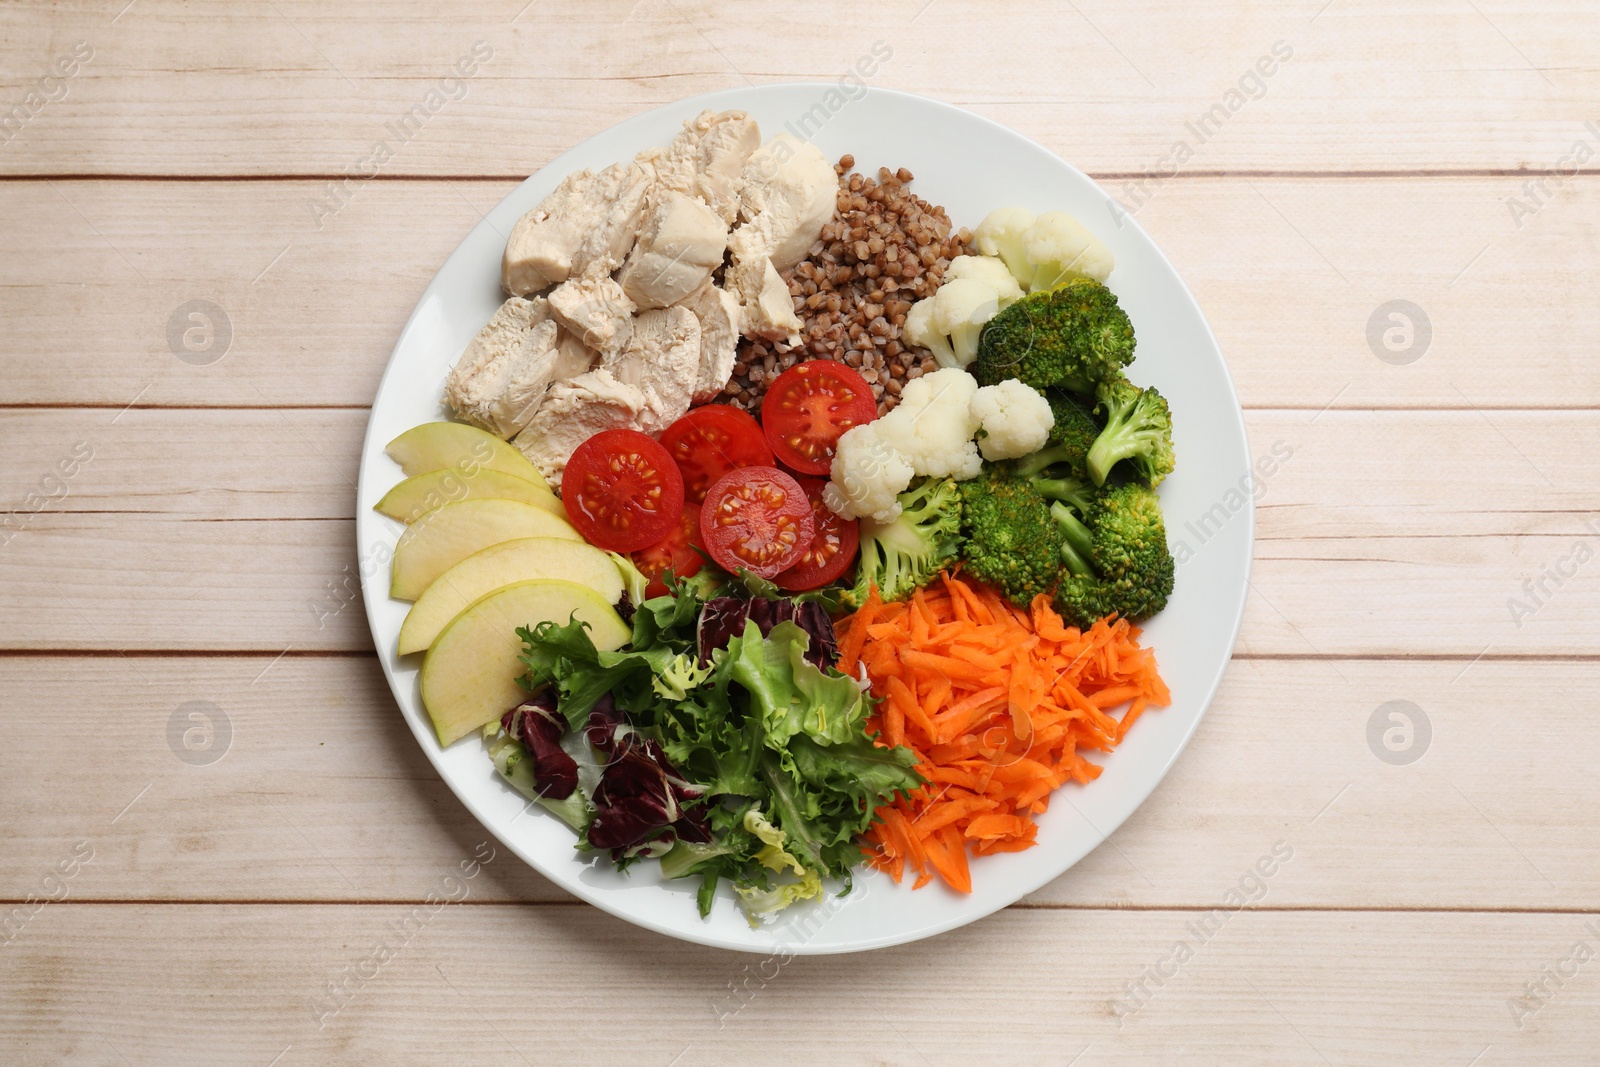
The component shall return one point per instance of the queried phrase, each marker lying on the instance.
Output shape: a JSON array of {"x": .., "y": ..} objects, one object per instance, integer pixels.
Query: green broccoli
[
  {"x": 1071, "y": 437},
  {"x": 1078, "y": 492},
  {"x": 1138, "y": 429},
  {"x": 1073, "y": 337},
  {"x": 899, "y": 556},
  {"x": 1116, "y": 558},
  {"x": 1012, "y": 542}
]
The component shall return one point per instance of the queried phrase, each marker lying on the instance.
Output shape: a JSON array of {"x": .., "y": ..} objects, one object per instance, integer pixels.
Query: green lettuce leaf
[{"x": 792, "y": 696}]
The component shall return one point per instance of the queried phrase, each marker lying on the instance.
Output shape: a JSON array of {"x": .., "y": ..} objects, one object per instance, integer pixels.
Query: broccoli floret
[
  {"x": 1011, "y": 538},
  {"x": 1077, "y": 543},
  {"x": 1071, "y": 437},
  {"x": 1116, "y": 558},
  {"x": 1078, "y": 492},
  {"x": 1138, "y": 429},
  {"x": 1073, "y": 337},
  {"x": 901, "y": 555}
]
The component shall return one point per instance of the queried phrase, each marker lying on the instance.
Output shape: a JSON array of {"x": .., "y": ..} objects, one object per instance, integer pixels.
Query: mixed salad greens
[{"x": 720, "y": 740}]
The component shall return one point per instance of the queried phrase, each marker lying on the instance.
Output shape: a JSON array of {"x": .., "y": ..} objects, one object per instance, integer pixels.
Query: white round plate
[{"x": 971, "y": 166}]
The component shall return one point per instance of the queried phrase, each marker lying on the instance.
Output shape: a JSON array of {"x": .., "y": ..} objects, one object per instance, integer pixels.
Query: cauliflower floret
[
  {"x": 1013, "y": 420},
  {"x": 1043, "y": 252},
  {"x": 1000, "y": 234},
  {"x": 960, "y": 308},
  {"x": 1060, "y": 248},
  {"x": 949, "y": 322},
  {"x": 932, "y": 426},
  {"x": 868, "y": 474},
  {"x": 990, "y": 271},
  {"x": 919, "y": 330},
  {"x": 928, "y": 434}
]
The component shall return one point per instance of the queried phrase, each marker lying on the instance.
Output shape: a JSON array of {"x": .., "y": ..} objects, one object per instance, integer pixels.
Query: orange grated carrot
[{"x": 998, "y": 703}]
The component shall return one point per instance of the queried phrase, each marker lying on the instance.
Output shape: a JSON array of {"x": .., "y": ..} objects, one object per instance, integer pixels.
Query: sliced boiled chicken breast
[{"x": 574, "y": 411}]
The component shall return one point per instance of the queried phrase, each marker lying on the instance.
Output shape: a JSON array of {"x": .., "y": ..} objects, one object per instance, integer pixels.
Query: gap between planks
[{"x": 1104, "y": 175}]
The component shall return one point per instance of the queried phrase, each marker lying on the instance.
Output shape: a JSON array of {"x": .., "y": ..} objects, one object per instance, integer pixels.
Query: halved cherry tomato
[
  {"x": 622, "y": 491},
  {"x": 757, "y": 518},
  {"x": 676, "y": 550},
  {"x": 833, "y": 544},
  {"x": 808, "y": 407},
  {"x": 709, "y": 442}
]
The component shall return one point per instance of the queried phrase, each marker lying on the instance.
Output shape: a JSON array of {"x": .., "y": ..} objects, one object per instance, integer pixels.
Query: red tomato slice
[
  {"x": 808, "y": 407},
  {"x": 622, "y": 491},
  {"x": 709, "y": 442},
  {"x": 676, "y": 550},
  {"x": 757, "y": 518},
  {"x": 833, "y": 544}
]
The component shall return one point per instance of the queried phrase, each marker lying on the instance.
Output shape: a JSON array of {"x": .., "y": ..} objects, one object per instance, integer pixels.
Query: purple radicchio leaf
[
  {"x": 640, "y": 795},
  {"x": 537, "y": 724},
  {"x": 723, "y": 618}
]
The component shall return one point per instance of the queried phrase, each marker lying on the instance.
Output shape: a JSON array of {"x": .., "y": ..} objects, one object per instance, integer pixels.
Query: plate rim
[{"x": 374, "y": 588}]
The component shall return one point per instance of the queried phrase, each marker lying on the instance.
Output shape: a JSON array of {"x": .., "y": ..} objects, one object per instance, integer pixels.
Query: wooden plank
[
  {"x": 300, "y": 782},
  {"x": 1290, "y": 273},
  {"x": 1368, "y": 543},
  {"x": 109, "y": 984},
  {"x": 300, "y": 87}
]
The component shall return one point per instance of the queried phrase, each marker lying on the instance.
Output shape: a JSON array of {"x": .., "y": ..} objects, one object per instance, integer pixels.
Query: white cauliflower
[
  {"x": 868, "y": 473},
  {"x": 932, "y": 426},
  {"x": 929, "y": 433},
  {"x": 1043, "y": 252},
  {"x": 1000, "y": 234},
  {"x": 1060, "y": 248},
  {"x": 1013, "y": 420},
  {"x": 919, "y": 330},
  {"x": 989, "y": 270},
  {"x": 949, "y": 322}
]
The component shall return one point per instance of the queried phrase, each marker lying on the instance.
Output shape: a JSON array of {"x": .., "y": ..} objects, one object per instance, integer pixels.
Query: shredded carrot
[{"x": 998, "y": 704}]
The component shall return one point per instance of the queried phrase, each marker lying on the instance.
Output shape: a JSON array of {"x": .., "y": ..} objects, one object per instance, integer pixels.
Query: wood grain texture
[
  {"x": 300, "y": 87},
  {"x": 1431, "y": 539},
  {"x": 1288, "y": 272},
  {"x": 234, "y": 530},
  {"x": 318, "y": 790},
  {"x": 205, "y": 983}
]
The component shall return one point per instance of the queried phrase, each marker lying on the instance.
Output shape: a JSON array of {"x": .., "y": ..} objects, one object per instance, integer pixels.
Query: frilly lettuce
[
  {"x": 785, "y": 774},
  {"x": 759, "y": 901}
]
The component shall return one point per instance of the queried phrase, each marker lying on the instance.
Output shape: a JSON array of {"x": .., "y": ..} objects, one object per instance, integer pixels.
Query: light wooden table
[{"x": 180, "y": 541}]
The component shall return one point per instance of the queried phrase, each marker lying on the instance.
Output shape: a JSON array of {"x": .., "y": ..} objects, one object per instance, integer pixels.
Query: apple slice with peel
[
  {"x": 447, "y": 535},
  {"x": 501, "y": 565},
  {"x": 436, "y": 446},
  {"x": 414, "y": 497},
  {"x": 469, "y": 678}
]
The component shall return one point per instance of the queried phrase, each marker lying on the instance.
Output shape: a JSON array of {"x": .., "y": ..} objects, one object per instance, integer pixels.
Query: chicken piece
[
  {"x": 500, "y": 379},
  {"x": 589, "y": 219},
  {"x": 574, "y": 411},
  {"x": 707, "y": 160},
  {"x": 718, "y": 313},
  {"x": 594, "y": 307},
  {"x": 662, "y": 359},
  {"x": 790, "y": 192},
  {"x": 573, "y": 357},
  {"x": 680, "y": 243},
  {"x": 766, "y": 310}
]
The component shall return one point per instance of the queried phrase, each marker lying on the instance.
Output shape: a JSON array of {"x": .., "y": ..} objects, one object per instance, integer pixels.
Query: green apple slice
[
  {"x": 501, "y": 565},
  {"x": 469, "y": 678},
  {"x": 414, "y": 497},
  {"x": 447, "y": 535},
  {"x": 436, "y": 446}
]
